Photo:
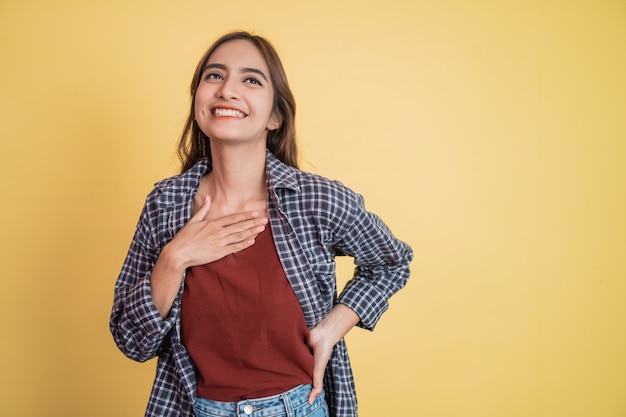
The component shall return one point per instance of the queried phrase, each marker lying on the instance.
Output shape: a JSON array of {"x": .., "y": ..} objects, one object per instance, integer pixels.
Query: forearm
[
  {"x": 166, "y": 279},
  {"x": 136, "y": 325},
  {"x": 335, "y": 325}
]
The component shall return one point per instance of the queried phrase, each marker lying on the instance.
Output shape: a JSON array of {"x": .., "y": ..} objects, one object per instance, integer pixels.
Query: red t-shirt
[{"x": 243, "y": 326}]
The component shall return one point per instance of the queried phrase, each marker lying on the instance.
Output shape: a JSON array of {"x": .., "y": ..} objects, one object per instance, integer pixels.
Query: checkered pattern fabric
[{"x": 313, "y": 219}]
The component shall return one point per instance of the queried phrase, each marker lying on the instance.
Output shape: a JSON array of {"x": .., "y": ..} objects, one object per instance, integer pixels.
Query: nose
[{"x": 229, "y": 90}]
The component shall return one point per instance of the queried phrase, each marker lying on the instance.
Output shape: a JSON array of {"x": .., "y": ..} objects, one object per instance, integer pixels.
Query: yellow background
[{"x": 490, "y": 135}]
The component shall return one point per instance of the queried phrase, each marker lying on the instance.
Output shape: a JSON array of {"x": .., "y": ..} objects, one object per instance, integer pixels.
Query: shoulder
[
  {"x": 315, "y": 185},
  {"x": 173, "y": 189},
  {"x": 308, "y": 185},
  {"x": 167, "y": 206},
  {"x": 315, "y": 197}
]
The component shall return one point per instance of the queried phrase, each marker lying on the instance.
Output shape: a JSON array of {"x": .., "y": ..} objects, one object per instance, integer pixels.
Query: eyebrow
[{"x": 242, "y": 71}]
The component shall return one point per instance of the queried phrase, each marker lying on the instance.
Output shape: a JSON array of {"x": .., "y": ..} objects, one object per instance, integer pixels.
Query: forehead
[{"x": 238, "y": 53}]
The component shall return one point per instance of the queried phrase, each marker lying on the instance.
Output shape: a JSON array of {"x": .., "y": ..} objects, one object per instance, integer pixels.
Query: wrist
[
  {"x": 337, "y": 324},
  {"x": 170, "y": 260}
]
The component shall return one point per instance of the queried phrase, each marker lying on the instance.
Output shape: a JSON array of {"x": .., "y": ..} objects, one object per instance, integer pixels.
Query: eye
[
  {"x": 213, "y": 76},
  {"x": 253, "y": 81}
]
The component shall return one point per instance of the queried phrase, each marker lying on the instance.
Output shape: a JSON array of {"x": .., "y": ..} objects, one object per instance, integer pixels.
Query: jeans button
[{"x": 248, "y": 409}]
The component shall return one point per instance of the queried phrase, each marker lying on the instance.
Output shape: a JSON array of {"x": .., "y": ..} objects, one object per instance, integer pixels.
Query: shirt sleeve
[
  {"x": 382, "y": 264},
  {"x": 135, "y": 322}
]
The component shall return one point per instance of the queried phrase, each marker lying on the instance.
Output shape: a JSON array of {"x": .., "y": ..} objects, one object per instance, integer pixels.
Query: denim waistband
[{"x": 289, "y": 403}]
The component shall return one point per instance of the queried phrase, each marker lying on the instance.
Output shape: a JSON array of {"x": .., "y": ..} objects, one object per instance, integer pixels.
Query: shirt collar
[
  {"x": 188, "y": 180},
  {"x": 279, "y": 175}
]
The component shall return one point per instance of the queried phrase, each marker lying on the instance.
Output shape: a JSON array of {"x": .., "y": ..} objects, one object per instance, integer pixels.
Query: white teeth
[{"x": 227, "y": 113}]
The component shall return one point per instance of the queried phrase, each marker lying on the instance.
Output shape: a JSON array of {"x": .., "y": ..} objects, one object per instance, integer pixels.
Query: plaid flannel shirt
[{"x": 312, "y": 220}]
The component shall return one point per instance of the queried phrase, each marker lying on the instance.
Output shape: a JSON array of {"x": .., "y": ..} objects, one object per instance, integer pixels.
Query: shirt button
[{"x": 248, "y": 409}]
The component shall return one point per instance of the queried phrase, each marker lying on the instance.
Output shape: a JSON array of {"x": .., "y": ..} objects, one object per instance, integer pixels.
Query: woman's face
[{"x": 234, "y": 99}]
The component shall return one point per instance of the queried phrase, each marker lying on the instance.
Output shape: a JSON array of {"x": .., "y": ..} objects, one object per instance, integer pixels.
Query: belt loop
[{"x": 288, "y": 405}]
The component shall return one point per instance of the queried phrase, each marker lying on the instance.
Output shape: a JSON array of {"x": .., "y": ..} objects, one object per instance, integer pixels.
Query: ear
[{"x": 275, "y": 122}]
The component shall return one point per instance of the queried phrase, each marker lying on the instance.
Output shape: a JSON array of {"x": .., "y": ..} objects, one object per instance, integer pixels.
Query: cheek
[
  {"x": 265, "y": 104},
  {"x": 203, "y": 93},
  {"x": 198, "y": 103}
]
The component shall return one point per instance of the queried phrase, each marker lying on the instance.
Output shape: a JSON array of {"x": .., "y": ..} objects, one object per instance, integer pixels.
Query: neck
[{"x": 238, "y": 174}]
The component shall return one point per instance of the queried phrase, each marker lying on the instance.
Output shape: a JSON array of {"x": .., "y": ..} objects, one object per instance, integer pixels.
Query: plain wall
[{"x": 490, "y": 136}]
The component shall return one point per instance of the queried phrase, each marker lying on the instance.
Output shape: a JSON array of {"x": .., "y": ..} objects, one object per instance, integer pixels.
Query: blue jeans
[{"x": 292, "y": 403}]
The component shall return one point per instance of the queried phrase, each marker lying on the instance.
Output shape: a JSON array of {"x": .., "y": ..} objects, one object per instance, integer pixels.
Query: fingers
[
  {"x": 320, "y": 359},
  {"x": 203, "y": 211},
  {"x": 204, "y": 240},
  {"x": 236, "y": 227},
  {"x": 235, "y": 218},
  {"x": 317, "y": 390},
  {"x": 240, "y": 227},
  {"x": 235, "y": 237},
  {"x": 249, "y": 233},
  {"x": 239, "y": 246}
]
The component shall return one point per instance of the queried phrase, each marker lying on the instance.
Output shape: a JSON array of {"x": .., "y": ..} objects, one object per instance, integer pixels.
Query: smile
[{"x": 218, "y": 112}]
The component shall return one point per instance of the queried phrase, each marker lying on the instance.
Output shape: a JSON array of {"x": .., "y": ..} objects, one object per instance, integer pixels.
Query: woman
[{"x": 230, "y": 277}]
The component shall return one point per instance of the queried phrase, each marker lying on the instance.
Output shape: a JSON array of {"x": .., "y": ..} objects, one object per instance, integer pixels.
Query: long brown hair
[{"x": 193, "y": 144}]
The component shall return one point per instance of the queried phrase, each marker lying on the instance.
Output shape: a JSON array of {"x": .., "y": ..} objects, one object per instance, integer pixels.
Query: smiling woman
[
  {"x": 280, "y": 141},
  {"x": 234, "y": 100},
  {"x": 230, "y": 278}
]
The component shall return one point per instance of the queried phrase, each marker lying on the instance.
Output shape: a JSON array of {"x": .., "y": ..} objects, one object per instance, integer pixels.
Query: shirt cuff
[
  {"x": 145, "y": 314},
  {"x": 366, "y": 301}
]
